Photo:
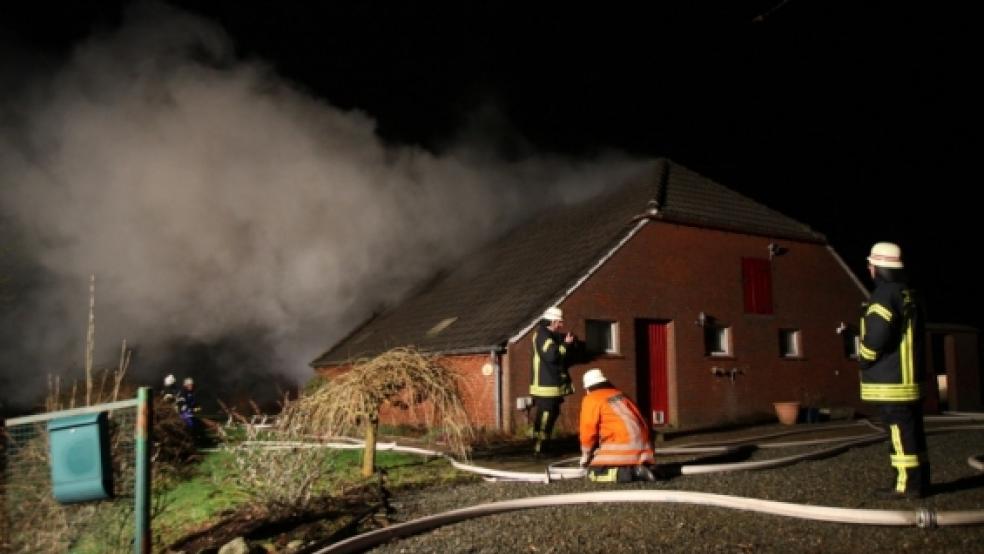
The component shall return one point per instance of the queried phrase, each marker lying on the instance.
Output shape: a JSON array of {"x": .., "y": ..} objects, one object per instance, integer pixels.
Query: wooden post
[
  {"x": 369, "y": 453},
  {"x": 142, "y": 489},
  {"x": 90, "y": 339}
]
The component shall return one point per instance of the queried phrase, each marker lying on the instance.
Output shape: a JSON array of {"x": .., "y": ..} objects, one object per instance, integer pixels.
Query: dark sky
[{"x": 860, "y": 119}]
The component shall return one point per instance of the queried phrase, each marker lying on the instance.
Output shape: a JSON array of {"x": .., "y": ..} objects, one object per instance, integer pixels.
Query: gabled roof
[{"x": 503, "y": 287}]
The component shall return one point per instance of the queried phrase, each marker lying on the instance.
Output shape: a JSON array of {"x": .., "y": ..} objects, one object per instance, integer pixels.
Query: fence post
[{"x": 144, "y": 426}]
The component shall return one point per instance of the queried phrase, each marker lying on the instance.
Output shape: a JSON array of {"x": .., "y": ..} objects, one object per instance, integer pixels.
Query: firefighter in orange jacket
[
  {"x": 891, "y": 355},
  {"x": 612, "y": 422}
]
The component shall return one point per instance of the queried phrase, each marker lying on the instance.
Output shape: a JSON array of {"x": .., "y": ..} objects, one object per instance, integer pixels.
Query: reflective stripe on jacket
[
  {"x": 891, "y": 346},
  {"x": 613, "y": 422},
  {"x": 549, "y": 377}
]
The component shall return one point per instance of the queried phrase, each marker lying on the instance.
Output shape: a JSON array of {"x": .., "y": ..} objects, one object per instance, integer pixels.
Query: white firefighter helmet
[
  {"x": 886, "y": 254},
  {"x": 169, "y": 380},
  {"x": 592, "y": 377},
  {"x": 189, "y": 381},
  {"x": 553, "y": 314}
]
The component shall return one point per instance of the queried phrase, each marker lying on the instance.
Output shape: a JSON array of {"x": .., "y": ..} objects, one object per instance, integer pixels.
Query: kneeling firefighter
[{"x": 612, "y": 422}]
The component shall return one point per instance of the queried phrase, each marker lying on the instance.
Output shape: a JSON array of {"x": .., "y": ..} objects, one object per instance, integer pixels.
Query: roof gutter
[{"x": 642, "y": 221}]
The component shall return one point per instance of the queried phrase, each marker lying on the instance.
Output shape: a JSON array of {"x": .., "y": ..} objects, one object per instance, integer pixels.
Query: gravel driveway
[{"x": 845, "y": 480}]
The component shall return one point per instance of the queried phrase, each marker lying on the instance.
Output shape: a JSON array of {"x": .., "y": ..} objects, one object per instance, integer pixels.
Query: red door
[{"x": 656, "y": 349}]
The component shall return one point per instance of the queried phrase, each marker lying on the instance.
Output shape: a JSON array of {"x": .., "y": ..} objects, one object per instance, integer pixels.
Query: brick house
[{"x": 697, "y": 301}]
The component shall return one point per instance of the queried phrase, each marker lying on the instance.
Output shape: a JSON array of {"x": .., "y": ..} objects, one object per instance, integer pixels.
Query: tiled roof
[{"x": 503, "y": 287}]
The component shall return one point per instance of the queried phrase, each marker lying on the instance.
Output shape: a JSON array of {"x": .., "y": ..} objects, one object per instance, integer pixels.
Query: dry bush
[
  {"x": 402, "y": 377},
  {"x": 277, "y": 478}
]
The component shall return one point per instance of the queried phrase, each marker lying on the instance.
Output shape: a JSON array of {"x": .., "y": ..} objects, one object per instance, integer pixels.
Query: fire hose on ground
[{"x": 920, "y": 517}]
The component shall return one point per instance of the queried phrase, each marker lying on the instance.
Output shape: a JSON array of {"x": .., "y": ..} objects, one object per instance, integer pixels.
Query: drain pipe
[
  {"x": 497, "y": 369},
  {"x": 921, "y": 517}
]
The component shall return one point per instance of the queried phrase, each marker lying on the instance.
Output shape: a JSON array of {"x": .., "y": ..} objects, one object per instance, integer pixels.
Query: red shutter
[{"x": 757, "y": 278}]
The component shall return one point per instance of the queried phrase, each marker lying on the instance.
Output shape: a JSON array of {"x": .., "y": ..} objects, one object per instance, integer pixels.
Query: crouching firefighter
[
  {"x": 891, "y": 356},
  {"x": 550, "y": 381},
  {"x": 611, "y": 422}
]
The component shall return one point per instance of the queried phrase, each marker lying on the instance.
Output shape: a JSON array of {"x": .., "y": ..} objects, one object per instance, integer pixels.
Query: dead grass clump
[{"x": 403, "y": 378}]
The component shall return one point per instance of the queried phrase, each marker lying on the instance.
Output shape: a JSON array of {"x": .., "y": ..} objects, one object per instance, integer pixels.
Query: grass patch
[{"x": 215, "y": 488}]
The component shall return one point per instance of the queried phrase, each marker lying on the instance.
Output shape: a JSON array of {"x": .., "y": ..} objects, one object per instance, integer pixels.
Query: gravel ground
[{"x": 845, "y": 480}]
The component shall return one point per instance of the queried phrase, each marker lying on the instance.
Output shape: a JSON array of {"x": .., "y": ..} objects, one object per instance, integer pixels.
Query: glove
[{"x": 584, "y": 461}]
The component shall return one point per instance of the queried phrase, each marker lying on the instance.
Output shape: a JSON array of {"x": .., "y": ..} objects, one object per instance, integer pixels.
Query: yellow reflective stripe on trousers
[
  {"x": 890, "y": 392},
  {"x": 609, "y": 476},
  {"x": 544, "y": 416},
  {"x": 904, "y": 460},
  {"x": 896, "y": 435}
]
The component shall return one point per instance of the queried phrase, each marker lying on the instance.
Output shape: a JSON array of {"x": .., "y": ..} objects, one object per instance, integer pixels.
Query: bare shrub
[{"x": 403, "y": 378}]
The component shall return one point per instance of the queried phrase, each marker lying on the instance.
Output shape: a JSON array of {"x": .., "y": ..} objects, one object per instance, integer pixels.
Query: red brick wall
[{"x": 671, "y": 273}]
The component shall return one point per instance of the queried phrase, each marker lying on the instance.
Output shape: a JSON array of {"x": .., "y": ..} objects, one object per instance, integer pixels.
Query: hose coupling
[{"x": 925, "y": 518}]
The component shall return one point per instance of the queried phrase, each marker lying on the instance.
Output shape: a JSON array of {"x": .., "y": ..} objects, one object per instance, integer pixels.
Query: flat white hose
[{"x": 921, "y": 517}]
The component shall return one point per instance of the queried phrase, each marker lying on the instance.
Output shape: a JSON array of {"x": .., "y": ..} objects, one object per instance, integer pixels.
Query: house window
[
  {"x": 790, "y": 343},
  {"x": 717, "y": 340},
  {"x": 602, "y": 336},
  {"x": 756, "y": 276}
]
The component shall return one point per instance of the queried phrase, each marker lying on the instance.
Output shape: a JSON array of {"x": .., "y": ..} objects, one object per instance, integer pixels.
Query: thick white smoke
[{"x": 209, "y": 196}]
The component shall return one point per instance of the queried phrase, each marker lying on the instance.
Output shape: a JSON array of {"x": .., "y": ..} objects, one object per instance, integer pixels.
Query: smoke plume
[{"x": 218, "y": 204}]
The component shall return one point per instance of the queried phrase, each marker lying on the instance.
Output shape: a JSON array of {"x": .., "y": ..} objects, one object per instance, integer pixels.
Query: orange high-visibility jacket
[{"x": 613, "y": 422}]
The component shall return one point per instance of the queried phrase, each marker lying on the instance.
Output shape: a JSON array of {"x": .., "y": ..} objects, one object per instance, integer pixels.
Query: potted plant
[{"x": 787, "y": 411}]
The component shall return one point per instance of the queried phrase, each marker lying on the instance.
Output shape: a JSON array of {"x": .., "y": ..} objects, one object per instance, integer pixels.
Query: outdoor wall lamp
[{"x": 776, "y": 250}]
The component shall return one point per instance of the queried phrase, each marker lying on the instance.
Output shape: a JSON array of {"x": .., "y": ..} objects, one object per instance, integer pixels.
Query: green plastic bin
[{"x": 80, "y": 458}]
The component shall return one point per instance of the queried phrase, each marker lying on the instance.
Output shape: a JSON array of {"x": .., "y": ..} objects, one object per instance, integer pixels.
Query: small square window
[
  {"x": 790, "y": 343},
  {"x": 602, "y": 336},
  {"x": 717, "y": 340}
]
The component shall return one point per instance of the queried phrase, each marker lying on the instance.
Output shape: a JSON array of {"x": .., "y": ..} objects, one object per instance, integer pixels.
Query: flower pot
[{"x": 787, "y": 412}]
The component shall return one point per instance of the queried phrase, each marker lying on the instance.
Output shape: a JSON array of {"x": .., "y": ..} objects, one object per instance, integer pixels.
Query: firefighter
[
  {"x": 891, "y": 357},
  {"x": 187, "y": 406},
  {"x": 550, "y": 381},
  {"x": 611, "y": 422},
  {"x": 170, "y": 391}
]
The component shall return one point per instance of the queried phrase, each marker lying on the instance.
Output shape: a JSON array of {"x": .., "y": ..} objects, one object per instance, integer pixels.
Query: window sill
[
  {"x": 720, "y": 357},
  {"x": 794, "y": 358}
]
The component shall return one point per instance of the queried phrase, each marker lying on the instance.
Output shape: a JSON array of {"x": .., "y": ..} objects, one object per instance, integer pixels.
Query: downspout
[
  {"x": 505, "y": 388},
  {"x": 495, "y": 360}
]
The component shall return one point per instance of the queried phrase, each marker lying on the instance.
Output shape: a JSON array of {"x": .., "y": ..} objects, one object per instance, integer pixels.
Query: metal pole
[{"x": 141, "y": 508}]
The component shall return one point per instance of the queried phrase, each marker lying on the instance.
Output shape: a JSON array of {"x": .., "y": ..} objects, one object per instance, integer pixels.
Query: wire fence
[{"x": 31, "y": 520}]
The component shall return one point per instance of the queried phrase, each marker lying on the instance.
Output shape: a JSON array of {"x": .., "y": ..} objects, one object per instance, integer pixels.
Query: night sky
[{"x": 860, "y": 119}]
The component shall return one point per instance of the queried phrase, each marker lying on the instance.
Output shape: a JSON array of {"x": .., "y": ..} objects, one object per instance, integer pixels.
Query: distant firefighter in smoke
[
  {"x": 170, "y": 391},
  {"x": 187, "y": 406}
]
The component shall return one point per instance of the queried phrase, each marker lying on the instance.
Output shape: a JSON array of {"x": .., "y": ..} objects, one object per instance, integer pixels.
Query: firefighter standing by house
[
  {"x": 891, "y": 356},
  {"x": 550, "y": 381},
  {"x": 611, "y": 422}
]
